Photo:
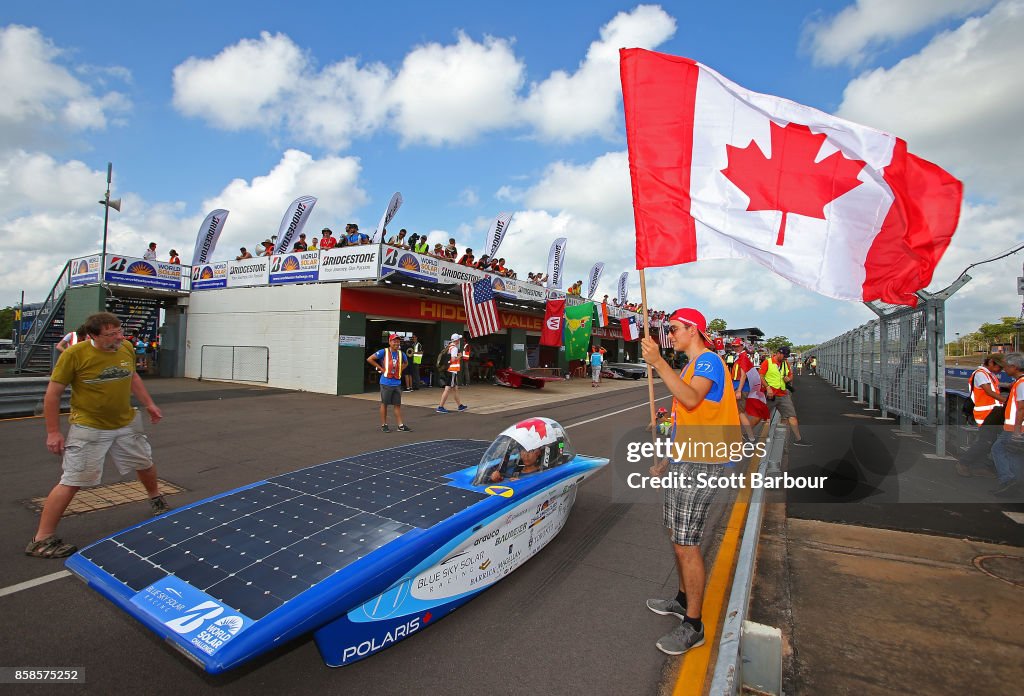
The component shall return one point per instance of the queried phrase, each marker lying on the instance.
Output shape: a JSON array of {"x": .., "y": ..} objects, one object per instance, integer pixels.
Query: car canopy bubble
[{"x": 530, "y": 446}]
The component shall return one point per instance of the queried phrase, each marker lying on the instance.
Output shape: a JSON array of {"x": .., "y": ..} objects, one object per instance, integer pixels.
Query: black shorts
[
  {"x": 391, "y": 396},
  {"x": 451, "y": 379}
]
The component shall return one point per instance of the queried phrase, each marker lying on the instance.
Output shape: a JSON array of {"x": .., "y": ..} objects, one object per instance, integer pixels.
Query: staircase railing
[{"x": 44, "y": 315}]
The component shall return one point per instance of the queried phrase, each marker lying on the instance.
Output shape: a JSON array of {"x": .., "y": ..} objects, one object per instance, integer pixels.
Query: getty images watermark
[{"x": 684, "y": 475}]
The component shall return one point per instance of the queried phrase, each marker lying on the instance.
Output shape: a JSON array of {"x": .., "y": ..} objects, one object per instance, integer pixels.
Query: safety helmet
[{"x": 530, "y": 434}]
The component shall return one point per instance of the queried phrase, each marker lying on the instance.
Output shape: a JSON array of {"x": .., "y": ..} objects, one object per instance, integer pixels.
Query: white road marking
[
  {"x": 1017, "y": 517},
  {"x": 29, "y": 584},
  {"x": 613, "y": 413}
]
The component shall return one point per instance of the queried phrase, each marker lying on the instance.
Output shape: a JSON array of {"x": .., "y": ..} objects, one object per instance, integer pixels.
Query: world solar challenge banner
[
  {"x": 208, "y": 276},
  {"x": 86, "y": 270},
  {"x": 126, "y": 270},
  {"x": 299, "y": 267}
]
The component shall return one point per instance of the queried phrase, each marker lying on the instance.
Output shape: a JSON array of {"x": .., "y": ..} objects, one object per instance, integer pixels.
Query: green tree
[
  {"x": 716, "y": 325},
  {"x": 776, "y": 342},
  {"x": 1002, "y": 332},
  {"x": 7, "y": 322}
]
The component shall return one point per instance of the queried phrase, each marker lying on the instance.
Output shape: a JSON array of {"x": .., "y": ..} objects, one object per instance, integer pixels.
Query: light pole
[
  {"x": 961, "y": 345},
  {"x": 107, "y": 205}
]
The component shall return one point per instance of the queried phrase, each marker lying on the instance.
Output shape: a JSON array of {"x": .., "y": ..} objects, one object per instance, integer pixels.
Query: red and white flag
[
  {"x": 481, "y": 309},
  {"x": 630, "y": 329},
  {"x": 664, "y": 336},
  {"x": 602, "y": 313},
  {"x": 554, "y": 321},
  {"x": 719, "y": 171}
]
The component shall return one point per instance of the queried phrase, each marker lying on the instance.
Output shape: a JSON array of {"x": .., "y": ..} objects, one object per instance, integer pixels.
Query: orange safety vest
[
  {"x": 983, "y": 403},
  {"x": 1011, "y": 406},
  {"x": 713, "y": 427},
  {"x": 455, "y": 364},
  {"x": 392, "y": 370}
]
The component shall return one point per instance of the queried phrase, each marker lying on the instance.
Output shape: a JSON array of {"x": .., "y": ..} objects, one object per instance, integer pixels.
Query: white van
[{"x": 7, "y": 352}]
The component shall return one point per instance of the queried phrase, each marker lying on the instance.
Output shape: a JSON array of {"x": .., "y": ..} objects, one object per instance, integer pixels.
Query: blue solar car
[{"x": 363, "y": 551}]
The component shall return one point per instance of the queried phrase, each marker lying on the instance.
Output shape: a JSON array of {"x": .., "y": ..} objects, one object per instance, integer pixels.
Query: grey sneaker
[
  {"x": 158, "y": 505},
  {"x": 681, "y": 639},
  {"x": 667, "y": 607}
]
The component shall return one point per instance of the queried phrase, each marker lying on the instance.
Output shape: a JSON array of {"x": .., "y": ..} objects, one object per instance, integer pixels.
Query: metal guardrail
[
  {"x": 895, "y": 363},
  {"x": 728, "y": 674},
  {"x": 23, "y": 396}
]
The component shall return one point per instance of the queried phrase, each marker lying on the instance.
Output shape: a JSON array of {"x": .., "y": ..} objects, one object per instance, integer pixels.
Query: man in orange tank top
[{"x": 704, "y": 418}]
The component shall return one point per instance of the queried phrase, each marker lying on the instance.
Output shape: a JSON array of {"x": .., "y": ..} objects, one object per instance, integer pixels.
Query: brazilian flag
[{"x": 578, "y": 322}]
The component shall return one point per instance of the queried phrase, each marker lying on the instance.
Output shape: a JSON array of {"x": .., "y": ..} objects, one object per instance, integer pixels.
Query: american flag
[
  {"x": 664, "y": 337},
  {"x": 481, "y": 309}
]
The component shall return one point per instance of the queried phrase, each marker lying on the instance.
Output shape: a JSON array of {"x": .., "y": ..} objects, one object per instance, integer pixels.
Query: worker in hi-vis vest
[{"x": 415, "y": 353}]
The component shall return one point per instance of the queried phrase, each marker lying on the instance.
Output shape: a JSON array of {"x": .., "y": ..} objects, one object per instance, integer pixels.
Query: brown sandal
[{"x": 50, "y": 547}]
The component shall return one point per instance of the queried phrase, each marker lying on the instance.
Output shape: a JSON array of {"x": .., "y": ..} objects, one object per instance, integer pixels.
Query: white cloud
[
  {"x": 568, "y": 106},
  {"x": 867, "y": 24},
  {"x": 271, "y": 83},
  {"x": 49, "y": 213},
  {"x": 452, "y": 94},
  {"x": 468, "y": 197},
  {"x": 441, "y": 94},
  {"x": 42, "y": 98},
  {"x": 958, "y": 102}
]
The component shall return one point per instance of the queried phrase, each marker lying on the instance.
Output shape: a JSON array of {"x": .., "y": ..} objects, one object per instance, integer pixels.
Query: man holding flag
[{"x": 703, "y": 412}]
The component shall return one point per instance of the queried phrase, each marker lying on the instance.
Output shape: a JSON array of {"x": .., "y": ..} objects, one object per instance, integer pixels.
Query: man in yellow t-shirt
[{"x": 101, "y": 372}]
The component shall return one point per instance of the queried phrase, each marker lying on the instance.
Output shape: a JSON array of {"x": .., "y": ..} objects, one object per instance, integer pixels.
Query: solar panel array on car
[{"x": 259, "y": 547}]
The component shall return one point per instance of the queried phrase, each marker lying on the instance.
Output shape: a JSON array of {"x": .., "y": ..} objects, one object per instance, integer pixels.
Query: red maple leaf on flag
[
  {"x": 534, "y": 424},
  {"x": 791, "y": 181}
]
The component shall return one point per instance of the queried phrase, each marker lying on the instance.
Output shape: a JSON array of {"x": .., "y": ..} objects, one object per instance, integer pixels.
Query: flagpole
[{"x": 650, "y": 370}]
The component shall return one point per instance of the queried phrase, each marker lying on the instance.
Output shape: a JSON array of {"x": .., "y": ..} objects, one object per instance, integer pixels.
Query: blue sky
[{"x": 470, "y": 109}]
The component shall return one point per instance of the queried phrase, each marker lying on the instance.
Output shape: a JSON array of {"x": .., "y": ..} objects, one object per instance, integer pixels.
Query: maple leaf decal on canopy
[{"x": 791, "y": 181}]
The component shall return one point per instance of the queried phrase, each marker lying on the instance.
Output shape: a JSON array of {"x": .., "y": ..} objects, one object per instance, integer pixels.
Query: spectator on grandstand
[
  {"x": 243, "y": 255},
  {"x": 300, "y": 245},
  {"x": 150, "y": 253},
  {"x": 174, "y": 258},
  {"x": 439, "y": 251},
  {"x": 500, "y": 268},
  {"x": 483, "y": 262},
  {"x": 353, "y": 236},
  {"x": 265, "y": 248},
  {"x": 399, "y": 240},
  {"x": 421, "y": 245},
  {"x": 312, "y": 244},
  {"x": 451, "y": 251},
  {"x": 327, "y": 240},
  {"x": 467, "y": 258}
]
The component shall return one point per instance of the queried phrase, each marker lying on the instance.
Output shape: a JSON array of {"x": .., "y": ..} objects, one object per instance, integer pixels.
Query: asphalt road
[{"x": 571, "y": 620}]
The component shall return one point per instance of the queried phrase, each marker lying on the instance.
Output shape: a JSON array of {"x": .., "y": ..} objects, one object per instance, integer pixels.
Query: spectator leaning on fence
[
  {"x": 987, "y": 414},
  {"x": 1008, "y": 451}
]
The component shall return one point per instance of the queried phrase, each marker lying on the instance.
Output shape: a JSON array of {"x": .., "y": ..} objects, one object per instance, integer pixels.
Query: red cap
[
  {"x": 737, "y": 341},
  {"x": 394, "y": 337},
  {"x": 691, "y": 317}
]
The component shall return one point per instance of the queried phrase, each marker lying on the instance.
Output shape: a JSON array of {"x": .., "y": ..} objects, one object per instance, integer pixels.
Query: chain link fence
[
  {"x": 235, "y": 363},
  {"x": 895, "y": 364}
]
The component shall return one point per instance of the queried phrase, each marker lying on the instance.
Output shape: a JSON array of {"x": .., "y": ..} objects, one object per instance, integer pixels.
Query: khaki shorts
[
  {"x": 86, "y": 449},
  {"x": 784, "y": 405}
]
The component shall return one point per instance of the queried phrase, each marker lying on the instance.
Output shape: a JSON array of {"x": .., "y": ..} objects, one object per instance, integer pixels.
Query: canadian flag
[{"x": 719, "y": 171}]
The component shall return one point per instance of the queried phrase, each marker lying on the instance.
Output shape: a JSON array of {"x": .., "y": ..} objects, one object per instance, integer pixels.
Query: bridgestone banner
[
  {"x": 350, "y": 263},
  {"x": 595, "y": 278},
  {"x": 209, "y": 233},
  {"x": 248, "y": 272},
  {"x": 556, "y": 262},
  {"x": 293, "y": 221},
  {"x": 389, "y": 214},
  {"x": 496, "y": 234}
]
